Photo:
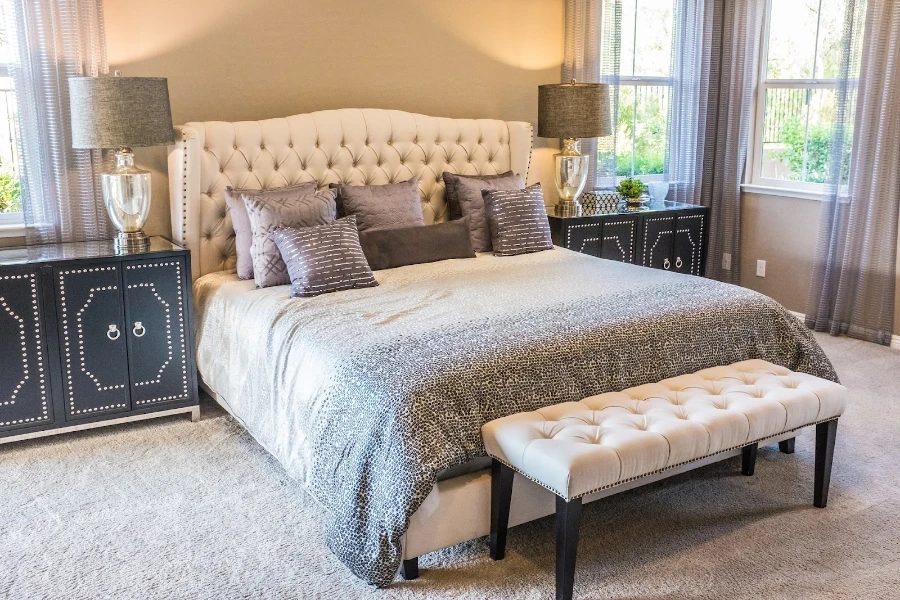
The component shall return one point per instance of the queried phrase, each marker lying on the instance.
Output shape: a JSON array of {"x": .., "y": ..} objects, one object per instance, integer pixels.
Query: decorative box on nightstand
[
  {"x": 668, "y": 236},
  {"x": 89, "y": 337}
]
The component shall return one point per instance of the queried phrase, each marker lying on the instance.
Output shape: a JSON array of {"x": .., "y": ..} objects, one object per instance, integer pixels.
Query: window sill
[
  {"x": 767, "y": 190},
  {"x": 12, "y": 230}
]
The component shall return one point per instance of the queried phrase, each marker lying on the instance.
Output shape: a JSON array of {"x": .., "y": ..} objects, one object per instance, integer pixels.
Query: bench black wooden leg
[
  {"x": 410, "y": 569},
  {"x": 501, "y": 495},
  {"x": 825, "y": 436},
  {"x": 748, "y": 459},
  {"x": 787, "y": 446},
  {"x": 568, "y": 521}
]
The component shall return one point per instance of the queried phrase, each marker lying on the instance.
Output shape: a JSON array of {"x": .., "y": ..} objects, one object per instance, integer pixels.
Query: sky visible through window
[{"x": 10, "y": 201}]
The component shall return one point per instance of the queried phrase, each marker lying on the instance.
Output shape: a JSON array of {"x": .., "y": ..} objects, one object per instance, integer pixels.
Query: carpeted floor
[{"x": 171, "y": 509}]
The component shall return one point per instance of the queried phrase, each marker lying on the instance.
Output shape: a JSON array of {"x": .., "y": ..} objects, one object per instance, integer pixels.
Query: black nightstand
[
  {"x": 89, "y": 337},
  {"x": 669, "y": 236}
]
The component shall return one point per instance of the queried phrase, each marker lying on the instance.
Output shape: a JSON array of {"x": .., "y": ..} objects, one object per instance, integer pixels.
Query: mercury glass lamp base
[
  {"x": 126, "y": 242},
  {"x": 567, "y": 208}
]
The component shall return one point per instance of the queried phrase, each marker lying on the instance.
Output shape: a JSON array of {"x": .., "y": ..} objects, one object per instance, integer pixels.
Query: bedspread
[{"x": 364, "y": 395}]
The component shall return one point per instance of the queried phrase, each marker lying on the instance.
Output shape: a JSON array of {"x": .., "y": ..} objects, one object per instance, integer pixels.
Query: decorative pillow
[
  {"x": 382, "y": 206},
  {"x": 243, "y": 237},
  {"x": 451, "y": 195},
  {"x": 389, "y": 248},
  {"x": 518, "y": 221},
  {"x": 325, "y": 258},
  {"x": 471, "y": 203},
  {"x": 268, "y": 212}
]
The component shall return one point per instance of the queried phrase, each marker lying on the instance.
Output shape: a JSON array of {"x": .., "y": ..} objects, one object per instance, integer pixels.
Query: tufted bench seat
[{"x": 577, "y": 448}]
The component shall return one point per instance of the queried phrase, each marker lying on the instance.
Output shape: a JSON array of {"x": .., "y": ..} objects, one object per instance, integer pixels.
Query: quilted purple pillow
[
  {"x": 386, "y": 206},
  {"x": 518, "y": 221},
  {"x": 471, "y": 204},
  {"x": 268, "y": 212},
  {"x": 325, "y": 258},
  {"x": 243, "y": 236}
]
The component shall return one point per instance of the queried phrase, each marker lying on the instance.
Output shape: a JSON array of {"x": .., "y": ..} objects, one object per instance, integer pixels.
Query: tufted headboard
[{"x": 353, "y": 146}]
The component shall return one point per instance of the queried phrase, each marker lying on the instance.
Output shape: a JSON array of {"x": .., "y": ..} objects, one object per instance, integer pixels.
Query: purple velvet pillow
[
  {"x": 382, "y": 206},
  {"x": 325, "y": 258},
  {"x": 518, "y": 220},
  {"x": 243, "y": 236}
]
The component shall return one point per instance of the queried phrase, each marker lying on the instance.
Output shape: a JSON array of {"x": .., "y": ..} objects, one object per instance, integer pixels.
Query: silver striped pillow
[
  {"x": 518, "y": 221},
  {"x": 324, "y": 258}
]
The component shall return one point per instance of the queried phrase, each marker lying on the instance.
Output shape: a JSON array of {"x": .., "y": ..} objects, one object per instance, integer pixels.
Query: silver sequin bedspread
[{"x": 364, "y": 395}]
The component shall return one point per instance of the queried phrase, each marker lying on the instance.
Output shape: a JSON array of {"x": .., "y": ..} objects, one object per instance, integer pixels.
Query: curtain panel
[
  {"x": 53, "y": 40},
  {"x": 852, "y": 290}
]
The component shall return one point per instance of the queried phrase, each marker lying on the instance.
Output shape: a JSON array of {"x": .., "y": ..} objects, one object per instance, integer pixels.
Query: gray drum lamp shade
[
  {"x": 573, "y": 110},
  {"x": 120, "y": 112}
]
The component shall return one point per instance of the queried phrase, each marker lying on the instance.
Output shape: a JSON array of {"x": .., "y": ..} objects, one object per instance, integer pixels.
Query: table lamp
[
  {"x": 122, "y": 113},
  {"x": 570, "y": 111}
]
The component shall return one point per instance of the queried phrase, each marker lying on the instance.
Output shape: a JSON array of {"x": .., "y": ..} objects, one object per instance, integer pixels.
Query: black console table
[
  {"x": 668, "y": 235},
  {"x": 89, "y": 337}
]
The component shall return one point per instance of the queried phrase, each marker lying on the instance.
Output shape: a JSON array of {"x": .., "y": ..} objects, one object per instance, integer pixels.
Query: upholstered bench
[{"x": 578, "y": 448}]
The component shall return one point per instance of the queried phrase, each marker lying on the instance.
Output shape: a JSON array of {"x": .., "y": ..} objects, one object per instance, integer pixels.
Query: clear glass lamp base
[
  {"x": 570, "y": 178},
  {"x": 126, "y": 194}
]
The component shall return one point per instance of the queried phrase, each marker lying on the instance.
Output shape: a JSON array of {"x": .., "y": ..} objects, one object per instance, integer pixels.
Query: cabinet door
[
  {"x": 157, "y": 351},
  {"x": 24, "y": 388},
  {"x": 619, "y": 239},
  {"x": 659, "y": 233},
  {"x": 584, "y": 238},
  {"x": 92, "y": 340},
  {"x": 689, "y": 251}
]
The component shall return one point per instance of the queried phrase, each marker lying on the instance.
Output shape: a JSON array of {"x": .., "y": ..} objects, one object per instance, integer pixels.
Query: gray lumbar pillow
[
  {"x": 518, "y": 221},
  {"x": 243, "y": 236},
  {"x": 268, "y": 212},
  {"x": 471, "y": 203},
  {"x": 389, "y": 248},
  {"x": 452, "y": 195},
  {"x": 382, "y": 206},
  {"x": 326, "y": 258}
]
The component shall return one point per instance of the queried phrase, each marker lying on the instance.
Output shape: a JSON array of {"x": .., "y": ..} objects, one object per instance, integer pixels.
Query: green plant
[
  {"x": 631, "y": 188},
  {"x": 10, "y": 199}
]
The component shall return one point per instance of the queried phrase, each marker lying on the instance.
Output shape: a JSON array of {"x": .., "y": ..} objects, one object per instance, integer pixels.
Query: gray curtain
[
  {"x": 852, "y": 287},
  {"x": 715, "y": 66},
  {"x": 53, "y": 40}
]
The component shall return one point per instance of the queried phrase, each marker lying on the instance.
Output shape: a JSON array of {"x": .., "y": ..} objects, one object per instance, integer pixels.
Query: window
[
  {"x": 644, "y": 30},
  {"x": 795, "y": 108},
  {"x": 10, "y": 200}
]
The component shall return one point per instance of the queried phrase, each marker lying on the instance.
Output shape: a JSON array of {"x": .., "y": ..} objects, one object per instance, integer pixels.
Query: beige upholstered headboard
[{"x": 354, "y": 146}]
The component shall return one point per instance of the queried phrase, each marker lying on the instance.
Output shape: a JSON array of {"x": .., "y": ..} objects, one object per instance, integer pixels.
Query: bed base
[{"x": 459, "y": 509}]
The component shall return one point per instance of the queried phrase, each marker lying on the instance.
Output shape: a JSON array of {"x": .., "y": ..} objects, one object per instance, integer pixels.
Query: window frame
[
  {"x": 12, "y": 224},
  {"x": 754, "y": 181}
]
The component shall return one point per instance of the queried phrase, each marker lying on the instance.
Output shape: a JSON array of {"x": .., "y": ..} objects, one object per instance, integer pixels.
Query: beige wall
[
  {"x": 781, "y": 231},
  {"x": 253, "y": 59}
]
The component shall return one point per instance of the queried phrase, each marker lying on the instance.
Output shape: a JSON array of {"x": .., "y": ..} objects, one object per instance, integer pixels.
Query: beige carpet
[{"x": 171, "y": 509}]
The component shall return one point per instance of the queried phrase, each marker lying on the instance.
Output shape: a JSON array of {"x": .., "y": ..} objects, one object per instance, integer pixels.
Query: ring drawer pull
[
  {"x": 678, "y": 262},
  {"x": 666, "y": 264},
  {"x": 113, "y": 329},
  {"x": 138, "y": 326}
]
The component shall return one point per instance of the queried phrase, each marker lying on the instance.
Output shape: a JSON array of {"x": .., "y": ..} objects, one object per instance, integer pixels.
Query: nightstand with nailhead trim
[
  {"x": 90, "y": 337},
  {"x": 668, "y": 236}
]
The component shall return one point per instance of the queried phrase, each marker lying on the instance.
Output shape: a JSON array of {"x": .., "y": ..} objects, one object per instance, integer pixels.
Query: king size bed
[{"x": 373, "y": 398}]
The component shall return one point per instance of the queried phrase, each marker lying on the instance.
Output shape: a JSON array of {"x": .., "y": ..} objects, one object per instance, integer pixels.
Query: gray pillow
[
  {"x": 518, "y": 220},
  {"x": 389, "y": 248},
  {"x": 268, "y": 212},
  {"x": 382, "y": 206},
  {"x": 243, "y": 236},
  {"x": 471, "y": 203},
  {"x": 325, "y": 258},
  {"x": 451, "y": 195}
]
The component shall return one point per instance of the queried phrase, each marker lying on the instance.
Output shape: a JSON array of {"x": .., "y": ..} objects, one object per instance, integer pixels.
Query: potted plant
[{"x": 632, "y": 189}]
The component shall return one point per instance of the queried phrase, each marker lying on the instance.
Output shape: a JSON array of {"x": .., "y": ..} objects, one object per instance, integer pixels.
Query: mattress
[{"x": 366, "y": 396}]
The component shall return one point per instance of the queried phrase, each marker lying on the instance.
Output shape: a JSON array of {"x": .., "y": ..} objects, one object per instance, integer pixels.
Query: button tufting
[
  {"x": 262, "y": 147},
  {"x": 234, "y": 147},
  {"x": 221, "y": 170},
  {"x": 290, "y": 144}
]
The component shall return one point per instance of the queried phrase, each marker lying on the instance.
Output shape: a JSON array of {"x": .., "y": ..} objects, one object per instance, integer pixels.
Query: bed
[{"x": 374, "y": 398}]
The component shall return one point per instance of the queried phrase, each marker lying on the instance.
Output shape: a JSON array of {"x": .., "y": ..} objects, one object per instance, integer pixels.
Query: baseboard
[{"x": 895, "y": 339}]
